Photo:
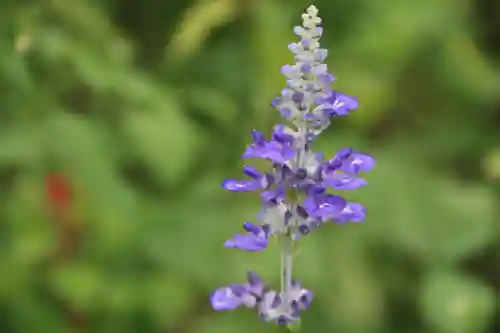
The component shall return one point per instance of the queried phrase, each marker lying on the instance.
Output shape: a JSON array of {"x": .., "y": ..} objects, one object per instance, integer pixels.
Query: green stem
[
  {"x": 287, "y": 242},
  {"x": 286, "y": 266}
]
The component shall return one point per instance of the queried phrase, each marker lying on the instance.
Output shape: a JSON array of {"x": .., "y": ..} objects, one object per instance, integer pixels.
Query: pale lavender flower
[{"x": 271, "y": 306}]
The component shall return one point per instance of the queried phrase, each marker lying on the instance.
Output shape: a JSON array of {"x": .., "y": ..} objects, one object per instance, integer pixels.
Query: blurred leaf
[
  {"x": 121, "y": 296},
  {"x": 169, "y": 298},
  {"x": 212, "y": 104},
  {"x": 14, "y": 275},
  {"x": 454, "y": 303},
  {"x": 163, "y": 139},
  {"x": 33, "y": 235},
  {"x": 196, "y": 25},
  {"x": 474, "y": 202},
  {"x": 348, "y": 289},
  {"x": 20, "y": 145},
  {"x": 180, "y": 235},
  {"x": 370, "y": 61},
  {"x": 85, "y": 65},
  {"x": 491, "y": 165},
  {"x": 270, "y": 35},
  {"x": 30, "y": 313},
  {"x": 80, "y": 284},
  {"x": 479, "y": 81},
  {"x": 18, "y": 96},
  {"x": 98, "y": 32}
]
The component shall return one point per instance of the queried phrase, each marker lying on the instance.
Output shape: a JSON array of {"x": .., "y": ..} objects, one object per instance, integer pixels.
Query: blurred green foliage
[{"x": 145, "y": 106}]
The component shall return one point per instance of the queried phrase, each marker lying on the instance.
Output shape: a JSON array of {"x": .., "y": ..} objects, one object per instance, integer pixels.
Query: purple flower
[
  {"x": 231, "y": 297},
  {"x": 277, "y": 194},
  {"x": 337, "y": 103},
  {"x": 341, "y": 172},
  {"x": 324, "y": 207},
  {"x": 294, "y": 189},
  {"x": 235, "y": 295},
  {"x": 278, "y": 150},
  {"x": 254, "y": 240},
  {"x": 271, "y": 306},
  {"x": 259, "y": 181},
  {"x": 361, "y": 161},
  {"x": 272, "y": 190},
  {"x": 339, "y": 180},
  {"x": 353, "y": 211}
]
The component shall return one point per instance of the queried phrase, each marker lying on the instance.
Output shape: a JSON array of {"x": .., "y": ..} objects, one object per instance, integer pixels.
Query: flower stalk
[{"x": 287, "y": 267}]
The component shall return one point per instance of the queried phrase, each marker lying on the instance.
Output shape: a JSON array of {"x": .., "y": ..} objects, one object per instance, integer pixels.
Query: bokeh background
[{"x": 119, "y": 119}]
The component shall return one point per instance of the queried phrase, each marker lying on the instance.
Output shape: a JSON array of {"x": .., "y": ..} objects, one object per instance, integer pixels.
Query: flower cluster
[{"x": 294, "y": 193}]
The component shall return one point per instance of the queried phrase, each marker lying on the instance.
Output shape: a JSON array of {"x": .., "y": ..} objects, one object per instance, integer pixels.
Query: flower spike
[{"x": 295, "y": 201}]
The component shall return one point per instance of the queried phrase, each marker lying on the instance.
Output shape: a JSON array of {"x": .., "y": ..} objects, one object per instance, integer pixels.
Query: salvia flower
[
  {"x": 270, "y": 305},
  {"x": 295, "y": 189},
  {"x": 254, "y": 240}
]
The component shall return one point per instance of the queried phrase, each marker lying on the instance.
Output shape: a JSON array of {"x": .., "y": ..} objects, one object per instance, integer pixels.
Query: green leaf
[
  {"x": 456, "y": 304},
  {"x": 33, "y": 239},
  {"x": 212, "y": 265},
  {"x": 370, "y": 61},
  {"x": 348, "y": 285},
  {"x": 477, "y": 82},
  {"x": 123, "y": 294},
  {"x": 21, "y": 145},
  {"x": 80, "y": 284},
  {"x": 213, "y": 104},
  {"x": 270, "y": 35},
  {"x": 162, "y": 137},
  {"x": 195, "y": 27},
  {"x": 158, "y": 292}
]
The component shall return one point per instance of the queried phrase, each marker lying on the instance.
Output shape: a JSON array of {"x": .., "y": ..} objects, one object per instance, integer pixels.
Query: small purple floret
[
  {"x": 241, "y": 185},
  {"x": 353, "y": 212},
  {"x": 324, "y": 207},
  {"x": 341, "y": 172},
  {"x": 254, "y": 240}
]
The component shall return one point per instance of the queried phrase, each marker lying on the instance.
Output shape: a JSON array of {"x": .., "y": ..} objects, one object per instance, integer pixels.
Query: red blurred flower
[{"x": 58, "y": 190}]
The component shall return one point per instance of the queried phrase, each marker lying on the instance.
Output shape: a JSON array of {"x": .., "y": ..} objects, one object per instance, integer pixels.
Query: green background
[{"x": 145, "y": 106}]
